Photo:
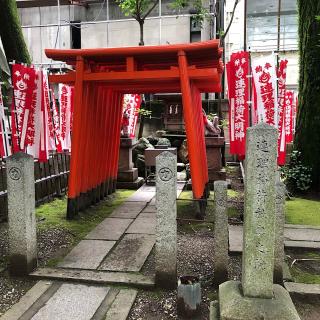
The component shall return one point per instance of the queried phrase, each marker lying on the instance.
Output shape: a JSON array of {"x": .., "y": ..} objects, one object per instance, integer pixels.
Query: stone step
[
  {"x": 130, "y": 254},
  {"x": 109, "y": 229},
  {"x": 122, "y": 304},
  {"x": 96, "y": 277},
  {"x": 302, "y": 289},
  {"x": 88, "y": 254},
  {"x": 72, "y": 302}
]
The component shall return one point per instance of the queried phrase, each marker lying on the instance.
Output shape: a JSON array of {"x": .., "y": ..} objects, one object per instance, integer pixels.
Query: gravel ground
[
  {"x": 195, "y": 257},
  {"x": 50, "y": 242}
]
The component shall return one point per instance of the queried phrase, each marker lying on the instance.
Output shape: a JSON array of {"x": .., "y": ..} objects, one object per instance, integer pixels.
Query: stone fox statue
[{"x": 212, "y": 128}]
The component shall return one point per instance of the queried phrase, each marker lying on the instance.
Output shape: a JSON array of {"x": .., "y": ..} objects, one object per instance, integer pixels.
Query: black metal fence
[{"x": 51, "y": 180}]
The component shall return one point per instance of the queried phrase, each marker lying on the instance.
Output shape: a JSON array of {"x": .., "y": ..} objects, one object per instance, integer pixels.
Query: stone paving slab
[
  {"x": 17, "y": 310},
  {"x": 150, "y": 208},
  {"x": 291, "y": 234},
  {"x": 141, "y": 196},
  {"x": 128, "y": 210},
  {"x": 302, "y": 288},
  {"x": 109, "y": 229},
  {"x": 143, "y": 226},
  {"x": 147, "y": 214},
  {"x": 130, "y": 254},
  {"x": 235, "y": 238},
  {"x": 302, "y": 244},
  {"x": 106, "y": 304},
  {"x": 94, "y": 276},
  {"x": 121, "y": 306},
  {"x": 72, "y": 302},
  {"x": 88, "y": 254},
  {"x": 302, "y": 238},
  {"x": 301, "y": 226},
  {"x": 147, "y": 188}
]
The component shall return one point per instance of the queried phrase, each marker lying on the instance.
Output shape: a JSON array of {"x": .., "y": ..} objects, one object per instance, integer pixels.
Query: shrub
[{"x": 296, "y": 176}]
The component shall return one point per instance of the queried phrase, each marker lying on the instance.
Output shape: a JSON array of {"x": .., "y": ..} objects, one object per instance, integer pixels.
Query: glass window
[{"x": 262, "y": 25}]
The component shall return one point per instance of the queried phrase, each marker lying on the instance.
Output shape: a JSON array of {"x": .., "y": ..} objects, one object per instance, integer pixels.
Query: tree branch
[
  {"x": 149, "y": 11},
  {"x": 231, "y": 20}
]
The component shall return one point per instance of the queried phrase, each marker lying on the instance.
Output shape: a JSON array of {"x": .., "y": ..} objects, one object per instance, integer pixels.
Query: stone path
[
  {"x": 111, "y": 254},
  {"x": 295, "y": 236}
]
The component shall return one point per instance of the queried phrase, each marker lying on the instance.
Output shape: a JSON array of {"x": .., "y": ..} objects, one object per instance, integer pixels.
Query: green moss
[
  {"x": 53, "y": 214},
  {"x": 303, "y": 211},
  {"x": 305, "y": 277},
  {"x": 233, "y": 193},
  {"x": 187, "y": 195},
  {"x": 233, "y": 212}
]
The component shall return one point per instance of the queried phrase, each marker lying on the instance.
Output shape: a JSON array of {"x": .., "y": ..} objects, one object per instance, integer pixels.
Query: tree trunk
[
  {"x": 141, "y": 23},
  {"x": 11, "y": 33},
  {"x": 307, "y": 138}
]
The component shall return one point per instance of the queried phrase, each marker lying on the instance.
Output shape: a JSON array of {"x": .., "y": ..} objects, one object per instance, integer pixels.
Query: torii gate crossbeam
[{"x": 101, "y": 77}]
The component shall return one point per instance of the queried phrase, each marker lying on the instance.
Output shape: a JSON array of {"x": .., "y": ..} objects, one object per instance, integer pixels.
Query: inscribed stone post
[
  {"x": 21, "y": 214},
  {"x": 166, "y": 228},
  {"x": 279, "y": 231},
  {"x": 259, "y": 216},
  {"x": 220, "y": 232}
]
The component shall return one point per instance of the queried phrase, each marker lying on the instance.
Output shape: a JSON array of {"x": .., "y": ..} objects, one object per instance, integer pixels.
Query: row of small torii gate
[{"x": 101, "y": 77}]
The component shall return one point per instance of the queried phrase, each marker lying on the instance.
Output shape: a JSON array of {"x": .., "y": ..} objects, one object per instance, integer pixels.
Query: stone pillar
[
  {"x": 166, "y": 227},
  {"x": 21, "y": 214},
  {"x": 127, "y": 174},
  {"x": 259, "y": 217},
  {"x": 279, "y": 231},
  {"x": 213, "y": 149},
  {"x": 257, "y": 297},
  {"x": 221, "y": 235}
]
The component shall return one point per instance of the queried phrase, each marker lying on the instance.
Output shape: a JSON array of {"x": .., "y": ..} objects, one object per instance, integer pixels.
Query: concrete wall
[
  {"x": 40, "y": 29},
  {"x": 123, "y": 33}
]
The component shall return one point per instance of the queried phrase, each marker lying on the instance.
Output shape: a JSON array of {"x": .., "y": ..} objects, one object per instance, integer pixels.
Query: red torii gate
[{"x": 101, "y": 77}]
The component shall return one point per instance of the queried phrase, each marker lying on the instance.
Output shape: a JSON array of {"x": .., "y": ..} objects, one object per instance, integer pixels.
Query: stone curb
[
  {"x": 17, "y": 310},
  {"x": 302, "y": 289},
  {"x": 95, "y": 277}
]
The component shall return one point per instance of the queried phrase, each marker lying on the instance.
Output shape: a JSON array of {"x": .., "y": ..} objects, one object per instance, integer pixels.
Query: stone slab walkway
[
  {"x": 111, "y": 254},
  {"x": 296, "y": 236},
  {"x": 51, "y": 300},
  {"x": 304, "y": 289}
]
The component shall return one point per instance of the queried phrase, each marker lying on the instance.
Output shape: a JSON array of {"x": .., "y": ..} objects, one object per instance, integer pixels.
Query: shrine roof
[{"x": 200, "y": 54}]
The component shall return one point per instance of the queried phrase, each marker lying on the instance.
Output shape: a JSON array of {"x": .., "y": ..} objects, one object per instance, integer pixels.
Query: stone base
[
  {"x": 128, "y": 175},
  {"x": 234, "y": 306},
  {"x": 217, "y": 175},
  {"x": 135, "y": 185},
  {"x": 214, "y": 310},
  {"x": 20, "y": 266}
]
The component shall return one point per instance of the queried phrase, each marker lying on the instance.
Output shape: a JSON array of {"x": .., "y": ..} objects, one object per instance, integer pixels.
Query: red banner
[
  {"x": 65, "y": 102},
  {"x": 238, "y": 84},
  {"x": 24, "y": 84},
  {"x": 288, "y": 117},
  {"x": 43, "y": 152},
  {"x": 33, "y": 134},
  {"x": 131, "y": 106},
  {"x": 263, "y": 70},
  {"x": 282, "y": 74},
  {"x": 56, "y": 122}
]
